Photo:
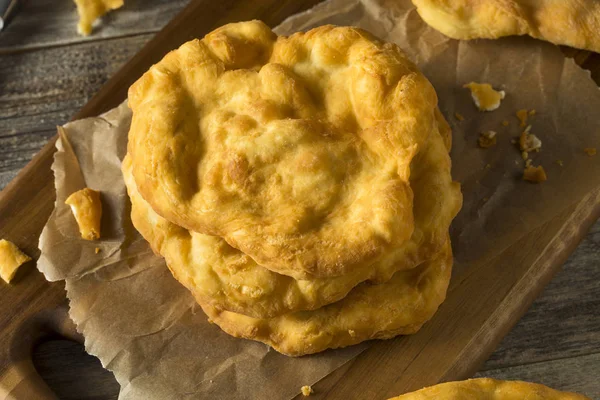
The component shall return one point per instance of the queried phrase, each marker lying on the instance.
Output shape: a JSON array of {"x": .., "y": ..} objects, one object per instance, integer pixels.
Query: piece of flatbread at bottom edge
[
  {"x": 370, "y": 311},
  {"x": 489, "y": 389}
]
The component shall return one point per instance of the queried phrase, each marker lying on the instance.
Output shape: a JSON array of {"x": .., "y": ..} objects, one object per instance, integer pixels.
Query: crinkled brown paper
[{"x": 147, "y": 329}]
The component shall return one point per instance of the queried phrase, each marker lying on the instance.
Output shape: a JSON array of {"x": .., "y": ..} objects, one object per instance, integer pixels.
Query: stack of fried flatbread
[{"x": 298, "y": 186}]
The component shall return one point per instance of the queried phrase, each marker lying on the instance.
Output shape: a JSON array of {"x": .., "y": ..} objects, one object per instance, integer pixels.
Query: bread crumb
[
  {"x": 11, "y": 258},
  {"x": 87, "y": 210},
  {"x": 488, "y": 166},
  {"x": 590, "y": 151},
  {"x": 459, "y": 116},
  {"x": 534, "y": 174},
  {"x": 97, "y": 250},
  {"x": 560, "y": 163},
  {"x": 484, "y": 96},
  {"x": 529, "y": 142},
  {"x": 505, "y": 123},
  {"x": 524, "y": 155},
  {"x": 528, "y": 162},
  {"x": 531, "y": 113},
  {"x": 306, "y": 391},
  {"x": 351, "y": 333},
  {"x": 522, "y": 115},
  {"x": 487, "y": 139}
]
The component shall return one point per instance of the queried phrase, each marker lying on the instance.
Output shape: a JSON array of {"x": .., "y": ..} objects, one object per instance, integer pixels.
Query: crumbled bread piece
[
  {"x": 534, "y": 174},
  {"x": 528, "y": 162},
  {"x": 560, "y": 163},
  {"x": 531, "y": 113},
  {"x": 487, "y": 139},
  {"x": 351, "y": 332},
  {"x": 11, "y": 258},
  {"x": 488, "y": 166},
  {"x": 522, "y": 115},
  {"x": 306, "y": 391},
  {"x": 459, "y": 116},
  {"x": 90, "y": 10},
  {"x": 529, "y": 142},
  {"x": 484, "y": 96},
  {"x": 87, "y": 209},
  {"x": 524, "y": 155},
  {"x": 590, "y": 151},
  {"x": 505, "y": 123},
  {"x": 97, "y": 250}
]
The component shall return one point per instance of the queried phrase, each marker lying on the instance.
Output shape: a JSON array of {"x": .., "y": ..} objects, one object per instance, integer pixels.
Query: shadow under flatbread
[{"x": 71, "y": 373}]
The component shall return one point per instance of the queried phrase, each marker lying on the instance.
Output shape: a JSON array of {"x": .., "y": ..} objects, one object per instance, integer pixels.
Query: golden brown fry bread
[
  {"x": 90, "y": 10},
  {"x": 11, "y": 258},
  {"x": 573, "y": 23},
  {"x": 489, "y": 389},
  {"x": 398, "y": 307},
  {"x": 228, "y": 279},
  {"x": 296, "y": 150},
  {"x": 86, "y": 206}
]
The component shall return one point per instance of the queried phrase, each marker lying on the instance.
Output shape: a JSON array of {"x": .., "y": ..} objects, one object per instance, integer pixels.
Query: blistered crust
[
  {"x": 489, "y": 389},
  {"x": 227, "y": 279},
  {"x": 573, "y": 23},
  {"x": 296, "y": 150},
  {"x": 398, "y": 307}
]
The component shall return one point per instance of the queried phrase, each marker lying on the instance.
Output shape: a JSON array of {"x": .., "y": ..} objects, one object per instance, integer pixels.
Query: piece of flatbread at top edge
[
  {"x": 489, "y": 389},
  {"x": 574, "y": 23},
  {"x": 296, "y": 150},
  {"x": 90, "y": 10}
]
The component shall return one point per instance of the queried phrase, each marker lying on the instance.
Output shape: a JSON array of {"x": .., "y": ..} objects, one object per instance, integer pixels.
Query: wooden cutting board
[{"x": 451, "y": 346}]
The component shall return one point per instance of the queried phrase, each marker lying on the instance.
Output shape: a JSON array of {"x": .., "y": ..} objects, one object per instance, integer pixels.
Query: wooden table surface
[{"x": 47, "y": 72}]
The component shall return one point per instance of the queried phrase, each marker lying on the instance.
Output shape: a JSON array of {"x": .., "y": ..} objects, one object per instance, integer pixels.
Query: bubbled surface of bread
[
  {"x": 573, "y": 23},
  {"x": 227, "y": 279},
  {"x": 489, "y": 389},
  {"x": 398, "y": 307},
  {"x": 295, "y": 150}
]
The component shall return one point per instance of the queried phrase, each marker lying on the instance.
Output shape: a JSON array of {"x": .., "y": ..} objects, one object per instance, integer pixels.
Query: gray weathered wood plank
[
  {"x": 42, "y": 88},
  {"x": 54, "y": 22},
  {"x": 17, "y": 150}
]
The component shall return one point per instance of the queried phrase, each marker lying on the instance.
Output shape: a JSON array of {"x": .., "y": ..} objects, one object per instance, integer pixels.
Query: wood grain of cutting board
[{"x": 451, "y": 346}]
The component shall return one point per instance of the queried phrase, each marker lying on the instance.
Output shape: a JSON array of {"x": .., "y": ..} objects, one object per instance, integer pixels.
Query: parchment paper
[{"x": 148, "y": 330}]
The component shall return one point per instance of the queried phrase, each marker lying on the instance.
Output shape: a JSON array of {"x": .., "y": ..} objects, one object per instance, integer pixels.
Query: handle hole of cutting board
[{"x": 71, "y": 373}]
